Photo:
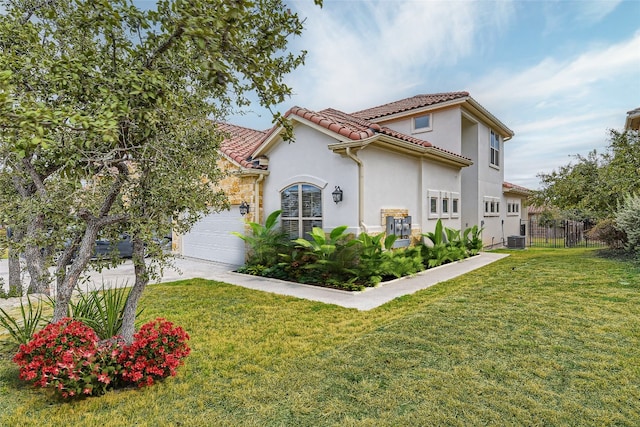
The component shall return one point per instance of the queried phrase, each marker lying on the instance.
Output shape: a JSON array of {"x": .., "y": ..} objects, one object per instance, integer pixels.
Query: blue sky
[{"x": 558, "y": 73}]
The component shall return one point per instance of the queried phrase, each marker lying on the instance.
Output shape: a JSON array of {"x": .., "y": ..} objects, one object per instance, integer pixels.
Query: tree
[
  {"x": 107, "y": 119},
  {"x": 595, "y": 184}
]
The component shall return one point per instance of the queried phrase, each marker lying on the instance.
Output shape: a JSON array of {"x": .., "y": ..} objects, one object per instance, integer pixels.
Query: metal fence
[{"x": 563, "y": 233}]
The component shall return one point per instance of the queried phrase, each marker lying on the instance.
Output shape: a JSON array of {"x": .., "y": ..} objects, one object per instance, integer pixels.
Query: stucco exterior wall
[
  {"x": 308, "y": 160},
  {"x": 391, "y": 181},
  {"x": 445, "y": 128}
]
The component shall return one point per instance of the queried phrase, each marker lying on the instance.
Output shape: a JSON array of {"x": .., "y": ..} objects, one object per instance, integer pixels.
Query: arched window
[{"x": 301, "y": 206}]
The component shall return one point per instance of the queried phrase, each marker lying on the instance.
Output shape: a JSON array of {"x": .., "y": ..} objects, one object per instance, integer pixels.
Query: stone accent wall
[
  {"x": 416, "y": 233},
  {"x": 396, "y": 213}
]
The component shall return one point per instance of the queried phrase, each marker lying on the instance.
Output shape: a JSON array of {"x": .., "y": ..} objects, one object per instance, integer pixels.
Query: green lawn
[{"x": 543, "y": 337}]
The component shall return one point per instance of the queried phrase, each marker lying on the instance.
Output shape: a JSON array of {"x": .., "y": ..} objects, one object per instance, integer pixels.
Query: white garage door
[{"x": 211, "y": 238}]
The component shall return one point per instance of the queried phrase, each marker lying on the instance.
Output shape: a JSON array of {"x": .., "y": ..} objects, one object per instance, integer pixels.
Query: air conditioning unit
[{"x": 516, "y": 242}]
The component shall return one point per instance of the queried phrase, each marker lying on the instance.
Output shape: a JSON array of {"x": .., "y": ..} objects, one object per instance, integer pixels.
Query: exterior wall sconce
[
  {"x": 244, "y": 208},
  {"x": 337, "y": 194}
]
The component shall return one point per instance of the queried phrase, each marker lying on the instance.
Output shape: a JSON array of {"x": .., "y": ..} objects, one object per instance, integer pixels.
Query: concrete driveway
[{"x": 188, "y": 268}]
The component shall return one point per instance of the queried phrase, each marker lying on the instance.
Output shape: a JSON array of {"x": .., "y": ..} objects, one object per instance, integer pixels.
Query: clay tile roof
[
  {"x": 408, "y": 104},
  {"x": 515, "y": 188},
  {"x": 240, "y": 142},
  {"x": 337, "y": 121},
  {"x": 356, "y": 128}
]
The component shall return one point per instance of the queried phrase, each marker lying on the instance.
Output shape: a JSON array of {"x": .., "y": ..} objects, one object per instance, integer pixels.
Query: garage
[{"x": 211, "y": 238}]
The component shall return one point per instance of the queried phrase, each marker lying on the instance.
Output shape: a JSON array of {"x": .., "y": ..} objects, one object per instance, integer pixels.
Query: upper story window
[
  {"x": 301, "y": 206},
  {"x": 495, "y": 149},
  {"x": 422, "y": 123}
]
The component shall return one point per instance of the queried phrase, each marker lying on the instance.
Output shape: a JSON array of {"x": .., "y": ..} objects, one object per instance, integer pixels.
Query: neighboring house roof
[
  {"x": 510, "y": 188},
  {"x": 633, "y": 120},
  {"x": 423, "y": 103},
  {"x": 240, "y": 143},
  {"x": 534, "y": 210}
]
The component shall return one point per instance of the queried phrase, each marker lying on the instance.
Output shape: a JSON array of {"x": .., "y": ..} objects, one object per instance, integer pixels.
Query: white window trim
[
  {"x": 492, "y": 202},
  {"x": 491, "y": 149},
  {"x": 455, "y": 196},
  {"x": 444, "y": 195},
  {"x": 433, "y": 194},
  {"x": 300, "y": 218},
  {"x": 513, "y": 208},
  {"x": 425, "y": 129}
]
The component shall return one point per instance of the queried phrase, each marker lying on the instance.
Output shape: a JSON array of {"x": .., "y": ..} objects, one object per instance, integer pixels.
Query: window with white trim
[
  {"x": 301, "y": 206},
  {"x": 421, "y": 123},
  {"x": 455, "y": 205},
  {"x": 491, "y": 206},
  {"x": 513, "y": 208},
  {"x": 495, "y": 149},
  {"x": 432, "y": 199}
]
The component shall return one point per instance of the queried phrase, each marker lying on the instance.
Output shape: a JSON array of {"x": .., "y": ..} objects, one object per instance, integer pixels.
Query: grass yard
[{"x": 543, "y": 337}]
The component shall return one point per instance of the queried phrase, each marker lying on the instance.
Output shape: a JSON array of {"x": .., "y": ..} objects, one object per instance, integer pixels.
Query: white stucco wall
[
  {"x": 445, "y": 180},
  {"x": 308, "y": 160},
  {"x": 445, "y": 129},
  {"x": 391, "y": 181}
]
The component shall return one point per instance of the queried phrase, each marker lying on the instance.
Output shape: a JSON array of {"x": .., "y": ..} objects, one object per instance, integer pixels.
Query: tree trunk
[
  {"x": 15, "y": 279},
  {"x": 36, "y": 265},
  {"x": 67, "y": 278},
  {"x": 142, "y": 279}
]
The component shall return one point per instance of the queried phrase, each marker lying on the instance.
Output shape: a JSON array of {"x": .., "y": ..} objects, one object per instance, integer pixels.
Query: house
[
  {"x": 397, "y": 167},
  {"x": 633, "y": 120}
]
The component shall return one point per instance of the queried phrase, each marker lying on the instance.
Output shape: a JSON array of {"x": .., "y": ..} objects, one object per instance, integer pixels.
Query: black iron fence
[{"x": 563, "y": 233}]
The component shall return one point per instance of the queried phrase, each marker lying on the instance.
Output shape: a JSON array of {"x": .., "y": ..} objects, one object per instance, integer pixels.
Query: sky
[{"x": 558, "y": 73}]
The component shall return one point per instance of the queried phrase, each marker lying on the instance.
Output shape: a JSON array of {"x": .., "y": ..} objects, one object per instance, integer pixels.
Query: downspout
[
  {"x": 355, "y": 158},
  {"x": 256, "y": 202}
]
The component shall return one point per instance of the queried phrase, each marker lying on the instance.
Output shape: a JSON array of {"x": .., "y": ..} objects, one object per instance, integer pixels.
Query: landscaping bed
[{"x": 341, "y": 261}]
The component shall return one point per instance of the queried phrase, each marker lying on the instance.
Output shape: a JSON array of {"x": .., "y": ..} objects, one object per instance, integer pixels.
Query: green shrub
[
  {"x": 371, "y": 249},
  {"x": 402, "y": 262},
  {"x": 607, "y": 231},
  {"x": 266, "y": 241},
  {"x": 628, "y": 219},
  {"x": 473, "y": 239},
  {"x": 333, "y": 255}
]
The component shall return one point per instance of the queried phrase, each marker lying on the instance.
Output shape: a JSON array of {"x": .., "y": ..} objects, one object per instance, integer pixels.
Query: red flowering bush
[
  {"x": 68, "y": 357},
  {"x": 157, "y": 350}
]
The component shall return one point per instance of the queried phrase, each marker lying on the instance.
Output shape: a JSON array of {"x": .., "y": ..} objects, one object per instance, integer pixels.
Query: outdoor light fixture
[
  {"x": 337, "y": 194},
  {"x": 244, "y": 208}
]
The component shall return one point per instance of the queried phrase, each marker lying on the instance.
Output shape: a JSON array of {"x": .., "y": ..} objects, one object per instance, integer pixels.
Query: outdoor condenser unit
[{"x": 516, "y": 242}]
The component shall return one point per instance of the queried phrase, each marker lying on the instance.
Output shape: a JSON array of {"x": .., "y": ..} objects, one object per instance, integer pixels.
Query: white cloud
[
  {"x": 552, "y": 77},
  {"x": 364, "y": 53},
  {"x": 593, "y": 11}
]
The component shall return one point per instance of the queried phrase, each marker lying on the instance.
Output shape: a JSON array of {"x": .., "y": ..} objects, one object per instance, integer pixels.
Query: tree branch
[
  {"x": 29, "y": 12},
  {"x": 165, "y": 46}
]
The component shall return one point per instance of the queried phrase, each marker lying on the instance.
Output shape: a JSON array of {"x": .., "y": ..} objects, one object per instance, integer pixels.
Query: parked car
[{"x": 105, "y": 248}]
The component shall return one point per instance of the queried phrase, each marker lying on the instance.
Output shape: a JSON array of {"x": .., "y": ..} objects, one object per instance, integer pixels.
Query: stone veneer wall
[{"x": 416, "y": 233}]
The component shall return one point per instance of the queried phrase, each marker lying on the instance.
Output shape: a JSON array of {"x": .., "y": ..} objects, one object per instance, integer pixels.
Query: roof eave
[
  {"x": 479, "y": 110},
  {"x": 405, "y": 147}
]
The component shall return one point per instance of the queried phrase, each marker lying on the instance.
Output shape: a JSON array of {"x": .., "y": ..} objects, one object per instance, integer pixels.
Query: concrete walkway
[{"x": 188, "y": 268}]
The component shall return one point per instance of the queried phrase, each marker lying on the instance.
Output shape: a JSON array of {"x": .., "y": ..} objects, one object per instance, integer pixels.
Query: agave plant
[{"x": 21, "y": 330}]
